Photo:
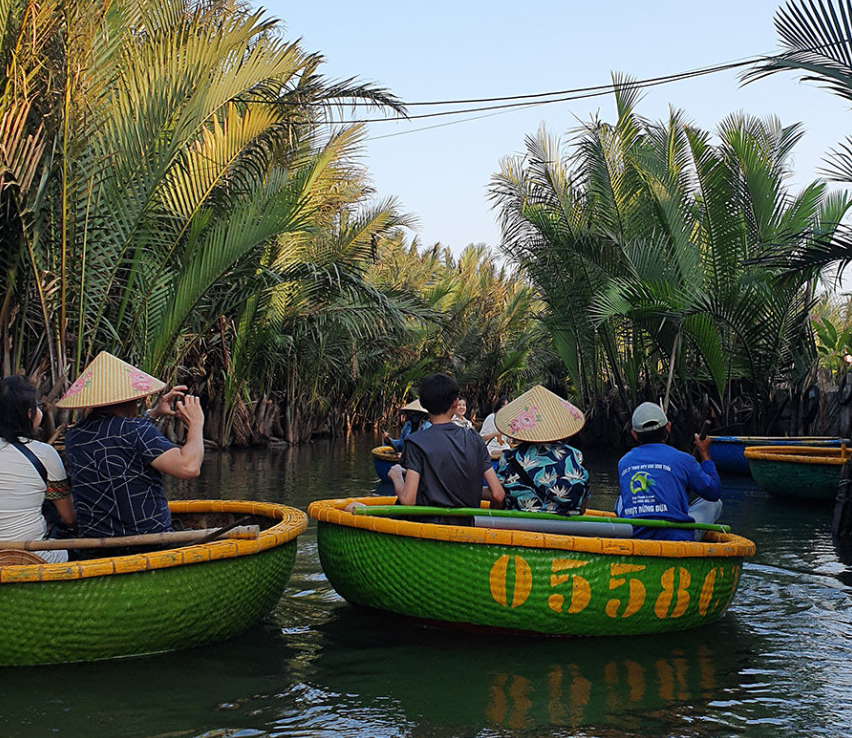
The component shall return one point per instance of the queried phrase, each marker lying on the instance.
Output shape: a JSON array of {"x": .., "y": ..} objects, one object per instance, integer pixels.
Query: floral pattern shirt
[{"x": 556, "y": 469}]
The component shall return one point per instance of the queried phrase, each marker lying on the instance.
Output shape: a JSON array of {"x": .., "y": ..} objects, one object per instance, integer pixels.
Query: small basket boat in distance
[
  {"x": 384, "y": 457},
  {"x": 483, "y": 578},
  {"x": 148, "y": 603},
  {"x": 802, "y": 472},
  {"x": 728, "y": 451}
]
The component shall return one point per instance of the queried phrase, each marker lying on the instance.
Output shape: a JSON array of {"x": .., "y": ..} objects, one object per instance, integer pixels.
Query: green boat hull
[
  {"x": 119, "y": 606},
  {"x": 140, "y": 613},
  {"x": 792, "y": 480},
  {"x": 538, "y": 590}
]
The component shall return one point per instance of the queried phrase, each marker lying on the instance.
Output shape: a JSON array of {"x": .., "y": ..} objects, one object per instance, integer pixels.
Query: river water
[{"x": 778, "y": 664}]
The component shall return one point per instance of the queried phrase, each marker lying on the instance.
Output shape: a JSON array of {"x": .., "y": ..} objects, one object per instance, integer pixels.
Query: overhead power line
[{"x": 514, "y": 102}]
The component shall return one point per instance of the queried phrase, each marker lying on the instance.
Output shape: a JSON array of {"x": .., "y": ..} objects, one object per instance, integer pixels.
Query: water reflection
[{"x": 520, "y": 683}]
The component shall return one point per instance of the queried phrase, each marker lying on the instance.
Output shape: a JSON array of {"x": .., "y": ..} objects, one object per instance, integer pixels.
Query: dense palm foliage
[
  {"x": 163, "y": 172},
  {"x": 171, "y": 191},
  {"x": 817, "y": 43},
  {"x": 642, "y": 240}
]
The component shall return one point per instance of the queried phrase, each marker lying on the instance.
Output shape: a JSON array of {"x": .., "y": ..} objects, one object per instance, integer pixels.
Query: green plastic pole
[{"x": 422, "y": 510}]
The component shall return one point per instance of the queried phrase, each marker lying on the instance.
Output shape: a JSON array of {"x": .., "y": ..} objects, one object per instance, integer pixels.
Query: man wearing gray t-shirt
[{"x": 445, "y": 464}]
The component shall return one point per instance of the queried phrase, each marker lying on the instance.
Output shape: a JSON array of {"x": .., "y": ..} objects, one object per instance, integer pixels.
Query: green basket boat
[
  {"x": 153, "y": 602},
  {"x": 521, "y": 581},
  {"x": 801, "y": 472}
]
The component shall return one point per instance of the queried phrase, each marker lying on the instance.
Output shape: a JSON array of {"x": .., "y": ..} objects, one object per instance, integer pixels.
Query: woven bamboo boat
[
  {"x": 803, "y": 472},
  {"x": 521, "y": 581},
  {"x": 384, "y": 457},
  {"x": 153, "y": 602},
  {"x": 728, "y": 451}
]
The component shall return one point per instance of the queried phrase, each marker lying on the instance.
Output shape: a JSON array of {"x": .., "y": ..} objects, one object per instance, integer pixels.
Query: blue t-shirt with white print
[{"x": 655, "y": 481}]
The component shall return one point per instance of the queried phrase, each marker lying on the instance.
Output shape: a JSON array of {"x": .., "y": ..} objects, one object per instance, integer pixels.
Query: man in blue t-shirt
[{"x": 656, "y": 479}]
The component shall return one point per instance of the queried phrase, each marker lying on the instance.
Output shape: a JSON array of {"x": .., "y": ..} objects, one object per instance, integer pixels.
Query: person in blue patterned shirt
[
  {"x": 116, "y": 458},
  {"x": 542, "y": 473}
]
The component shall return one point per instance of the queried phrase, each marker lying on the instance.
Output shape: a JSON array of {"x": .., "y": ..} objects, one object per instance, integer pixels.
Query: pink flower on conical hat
[{"x": 539, "y": 416}]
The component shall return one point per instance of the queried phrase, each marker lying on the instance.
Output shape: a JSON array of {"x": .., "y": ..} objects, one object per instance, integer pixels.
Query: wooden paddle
[{"x": 143, "y": 539}]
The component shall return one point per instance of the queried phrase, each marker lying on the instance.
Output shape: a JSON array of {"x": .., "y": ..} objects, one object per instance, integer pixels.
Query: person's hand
[
  {"x": 350, "y": 508},
  {"x": 189, "y": 411},
  {"x": 396, "y": 474},
  {"x": 165, "y": 405},
  {"x": 385, "y": 437},
  {"x": 702, "y": 447}
]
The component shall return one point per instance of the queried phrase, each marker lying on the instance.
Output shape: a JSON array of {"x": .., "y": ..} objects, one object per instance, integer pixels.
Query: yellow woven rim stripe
[
  {"x": 799, "y": 454},
  {"x": 386, "y": 453},
  {"x": 291, "y": 522},
  {"x": 718, "y": 544},
  {"x": 761, "y": 439}
]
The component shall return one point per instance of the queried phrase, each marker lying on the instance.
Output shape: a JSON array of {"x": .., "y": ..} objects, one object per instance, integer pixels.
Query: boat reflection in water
[{"x": 518, "y": 682}]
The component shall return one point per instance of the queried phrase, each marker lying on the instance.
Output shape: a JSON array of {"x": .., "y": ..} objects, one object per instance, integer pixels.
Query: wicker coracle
[
  {"x": 384, "y": 457},
  {"x": 805, "y": 472},
  {"x": 484, "y": 578},
  {"x": 148, "y": 603},
  {"x": 728, "y": 452}
]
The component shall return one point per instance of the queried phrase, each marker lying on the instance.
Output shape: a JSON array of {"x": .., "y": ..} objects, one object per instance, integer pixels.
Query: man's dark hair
[
  {"x": 501, "y": 401},
  {"x": 438, "y": 392},
  {"x": 18, "y": 401},
  {"x": 659, "y": 435}
]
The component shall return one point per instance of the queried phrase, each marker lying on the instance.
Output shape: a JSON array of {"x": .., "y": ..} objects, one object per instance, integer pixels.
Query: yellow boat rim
[
  {"x": 799, "y": 454},
  {"x": 386, "y": 453},
  {"x": 290, "y": 523},
  {"x": 714, "y": 545}
]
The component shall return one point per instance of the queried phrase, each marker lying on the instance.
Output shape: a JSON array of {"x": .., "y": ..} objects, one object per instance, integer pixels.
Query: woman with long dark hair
[{"x": 30, "y": 471}]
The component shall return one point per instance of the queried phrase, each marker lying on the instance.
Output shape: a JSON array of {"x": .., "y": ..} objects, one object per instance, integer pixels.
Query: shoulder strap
[
  {"x": 32, "y": 458},
  {"x": 512, "y": 461}
]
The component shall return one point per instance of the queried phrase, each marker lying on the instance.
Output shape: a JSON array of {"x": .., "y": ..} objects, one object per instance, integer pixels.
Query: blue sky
[{"x": 449, "y": 50}]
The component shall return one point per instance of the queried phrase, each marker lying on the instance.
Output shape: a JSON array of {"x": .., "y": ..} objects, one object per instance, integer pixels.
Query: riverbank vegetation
[{"x": 173, "y": 190}]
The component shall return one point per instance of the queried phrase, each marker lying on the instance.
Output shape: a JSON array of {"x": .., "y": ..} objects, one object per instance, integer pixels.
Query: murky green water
[{"x": 778, "y": 664}]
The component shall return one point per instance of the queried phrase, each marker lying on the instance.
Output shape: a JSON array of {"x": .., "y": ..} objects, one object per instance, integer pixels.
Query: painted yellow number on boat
[
  {"x": 636, "y": 590},
  {"x": 706, "y": 596},
  {"x": 681, "y": 596},
  {"x": 499, "y": 576},
  {"x": 581, "y": 592}
]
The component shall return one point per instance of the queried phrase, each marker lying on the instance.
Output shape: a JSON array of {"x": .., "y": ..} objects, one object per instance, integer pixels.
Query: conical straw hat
[
  {"x": 539, "y": 416},
  {"x": 414, "y": 407},
  {"x": 108, "y": 381}
]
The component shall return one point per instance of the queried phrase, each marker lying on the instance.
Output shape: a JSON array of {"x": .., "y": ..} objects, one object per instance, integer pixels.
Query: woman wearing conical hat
[
  {"x": 116, "y": 458},
  {"x": 416, "y": 419},
  {"x": 543, "y": 472}
]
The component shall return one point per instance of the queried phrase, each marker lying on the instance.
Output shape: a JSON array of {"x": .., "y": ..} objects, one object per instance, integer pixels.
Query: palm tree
[
  {"x": 642, "y": 243},
  {"x": 817, "y": 44},
  {"x": 187, "y": 137}
]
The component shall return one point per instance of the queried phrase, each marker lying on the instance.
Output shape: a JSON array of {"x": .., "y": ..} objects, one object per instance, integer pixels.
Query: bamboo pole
[
  {"x": 143, "y": 539},
  {"x": 418, "y": 510}
]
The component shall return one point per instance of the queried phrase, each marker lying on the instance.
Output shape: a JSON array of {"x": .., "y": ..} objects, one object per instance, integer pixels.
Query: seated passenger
[
  {"x": 543, "y": 473},
  {"x": 445, "y": 463},
  {"x": 655, "y": 479},
  {"x": 116, "y": 459},
  {"x": 490, "y": 434},
  {"x": 415, "y": 420},
  {"x": 459, "y": 418},
  {"x": 30, "y": 471}
]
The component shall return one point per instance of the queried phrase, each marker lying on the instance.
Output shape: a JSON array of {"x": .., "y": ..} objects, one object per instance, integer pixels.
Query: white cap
[{"x": 648, "y": 417}]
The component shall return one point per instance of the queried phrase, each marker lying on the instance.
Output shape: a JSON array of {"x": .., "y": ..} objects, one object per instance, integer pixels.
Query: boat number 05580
[{"x": 571, "y": 591}]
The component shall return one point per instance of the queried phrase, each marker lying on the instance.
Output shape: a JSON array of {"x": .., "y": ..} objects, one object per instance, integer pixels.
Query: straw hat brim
[
  {"x": 414, "y": 407},
  {"x": 539, "y": 416},
  {"x": 108, "y": 380}
]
